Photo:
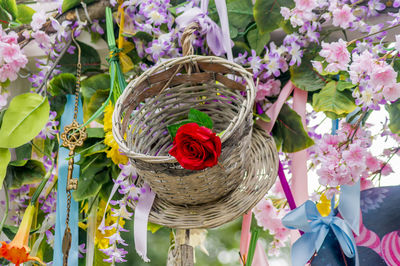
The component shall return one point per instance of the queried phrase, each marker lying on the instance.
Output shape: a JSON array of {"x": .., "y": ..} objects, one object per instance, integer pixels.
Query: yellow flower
[
  {"x": 114, "y": 153},
  {"x": 107, "y": 121},
  {"x": 324, "y": 206}
]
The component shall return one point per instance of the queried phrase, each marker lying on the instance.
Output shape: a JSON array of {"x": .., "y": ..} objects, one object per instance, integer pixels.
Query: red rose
[{"x": 196, "y": 147}]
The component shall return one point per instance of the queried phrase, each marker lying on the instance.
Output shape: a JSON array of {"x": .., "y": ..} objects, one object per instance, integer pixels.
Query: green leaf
[
  {"x": 153, "y": 227},
  {"x": 29, "y": 173},
  {"x": 62, "y": 84},
  {"x": 90, "y": 85},
  {"x": 394, "y": 117},
  {"x": 5, "y": 157},
  {"x": 289, "y": 128},
  {"x": 304, "y": 76},
  {"x": 267, "y": 13},
  {"x": 4, "y": 16},
  {"x": 10, "y": 6},
  {"x": 264, "y": 117},
  {"x": 344, "y": 85},
  {"x": 25, "y": 117},
  {"x": 24, "y": 152},
  {"x": 69, "y": 4},
  {"x": 18, "y": 163},
  {"x": 172, "y": 129},
  {"x": 90, "y": 182},
  {"x": 25, "y": 14},
  {"x": 95, "y": 102},
  {"x": 90, "y": 60},
  {"x": 257, "y": 40},
  {"x": 331, "y": 100},
  {"x": 202, "y": 119},
  {"x": 95, "y": 133},
  {"x": 240, "y": 13},
  {"x": 10, "y": 231}
]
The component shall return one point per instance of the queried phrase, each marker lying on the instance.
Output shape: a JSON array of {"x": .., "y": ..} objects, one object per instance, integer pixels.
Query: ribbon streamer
[
  {"x": 140, "y": 221},
  {"x": 61, "y": 214},
  {"x": 315, "y": 227}
]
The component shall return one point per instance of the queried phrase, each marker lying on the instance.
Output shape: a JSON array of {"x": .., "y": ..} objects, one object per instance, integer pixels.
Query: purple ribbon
[{"x": 214, "y": 35}]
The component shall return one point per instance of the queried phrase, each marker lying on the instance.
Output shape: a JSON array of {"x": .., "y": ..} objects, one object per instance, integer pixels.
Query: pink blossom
[
  {"x": 382, "y": 75},
  {"x": 8, "y": 51},
  {"x": 336, "y": 54},
  {"x": 362, "y": 64},
  {"x": 386, "y": 169},
  {"x": 3, "y": 100},
  {"x": 306, "y": 4},
  {"x": 372, "y": 163},
  {"x": 365, "y": 183},
  {"x": 343, "y": 17},
  {"x": 355, "y": 155},
  {"x": 7, "y": 72},
  {"x": 271, "y": 88},
  {"x": 392, "y": 93},
  {"x": 42, "y": 38},
  {"x": 9, "y": 38},
  {"x": 317, "y": 66},
  {"x": 38, "y": 19}
]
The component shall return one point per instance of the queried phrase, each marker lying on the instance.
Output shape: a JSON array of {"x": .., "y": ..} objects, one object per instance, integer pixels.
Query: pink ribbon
[
  {"x": 299, "y": 159},
  {"x": 142, "y": 212}
]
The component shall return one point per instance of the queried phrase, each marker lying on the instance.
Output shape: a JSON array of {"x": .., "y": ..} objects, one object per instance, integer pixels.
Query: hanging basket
[
  {"x": 162, "y": 96},
  {"x": 260, "y": 175}
]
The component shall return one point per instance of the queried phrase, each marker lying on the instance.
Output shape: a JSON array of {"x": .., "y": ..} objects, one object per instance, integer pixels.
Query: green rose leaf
[
  {"x": 290, "y": 132},
  {"x": 153, "y": 227},
  {"x": 10, "y": 6},
  {"x": 202, "y": 119},
  {"x": 25, "y": 117},
  {"x": 5, "y": 157},
  {"x": 305, "y": 77},
  {"x": 333, "y": 102},
  {"x": 25, "y": 173},
  {"x": 62, "y": 84},
  {"x": 264, "y": 117},
  {"x": 267, "y": 14},
  {"x": 394, "y": 116},
  {"x": 25, "y": 14},
  {"x": 173, "y": 129},
  {"x": 257, "y": 40}
]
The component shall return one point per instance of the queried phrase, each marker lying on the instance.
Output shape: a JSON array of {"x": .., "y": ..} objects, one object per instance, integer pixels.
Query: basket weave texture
[
  {"x": 261, "y": 173},
  {"x": 163, "y": 95}
]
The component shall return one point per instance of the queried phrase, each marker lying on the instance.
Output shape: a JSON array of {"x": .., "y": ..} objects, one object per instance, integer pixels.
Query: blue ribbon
[
  {"x": 61, "y": 213},
  {"x": 315, "y": 227},
  {"x": 349, "y": 204}
]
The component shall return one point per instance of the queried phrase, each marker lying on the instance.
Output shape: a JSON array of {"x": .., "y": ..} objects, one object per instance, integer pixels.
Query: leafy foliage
[
  {"x": 25, "y": 14},
  {"x": 24, "y": 172},
  {"x": 333, "y": 102},
  {"x": 289, "y": 131},
  {"x": 10, "y": 6},
  {"x": 394, "y": 117},
  {"x": 267, "y": 14},
  {"x": 304, "y": 77},
  {"x": 257, "y": 40},
  {"x": 23, "y": 120},
  {"x": 90, "y": 60},
  {"x": 194, "y": 116},
  {"x": 5, "y": 157}
]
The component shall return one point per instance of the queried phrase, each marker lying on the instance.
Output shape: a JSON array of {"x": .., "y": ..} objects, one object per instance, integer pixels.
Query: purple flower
[
  {"x": 96, "y": 27},
  {"x": 49, "y": 129}
]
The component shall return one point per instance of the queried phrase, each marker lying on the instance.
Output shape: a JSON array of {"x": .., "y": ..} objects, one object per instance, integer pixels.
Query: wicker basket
[
  {"x": 262, "y": 168},
  {"x": 163, "y": 95}
]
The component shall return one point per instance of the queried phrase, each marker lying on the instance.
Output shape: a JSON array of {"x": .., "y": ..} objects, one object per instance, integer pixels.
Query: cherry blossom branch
[{"x": 371, "y": 34}]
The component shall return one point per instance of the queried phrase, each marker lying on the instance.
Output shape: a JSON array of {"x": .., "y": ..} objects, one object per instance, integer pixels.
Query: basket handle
[{"x": 187, "y": 38}]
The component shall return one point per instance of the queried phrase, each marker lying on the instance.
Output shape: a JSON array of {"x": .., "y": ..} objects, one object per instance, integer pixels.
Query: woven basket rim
[{"x": 235, "y": 68}]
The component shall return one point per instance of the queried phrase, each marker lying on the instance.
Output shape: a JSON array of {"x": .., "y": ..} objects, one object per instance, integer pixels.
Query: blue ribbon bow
[{"x": 315, "y": 227}]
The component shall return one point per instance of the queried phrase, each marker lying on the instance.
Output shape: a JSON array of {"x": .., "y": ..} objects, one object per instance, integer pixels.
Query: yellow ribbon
[{"x": 124, "y": 45}]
